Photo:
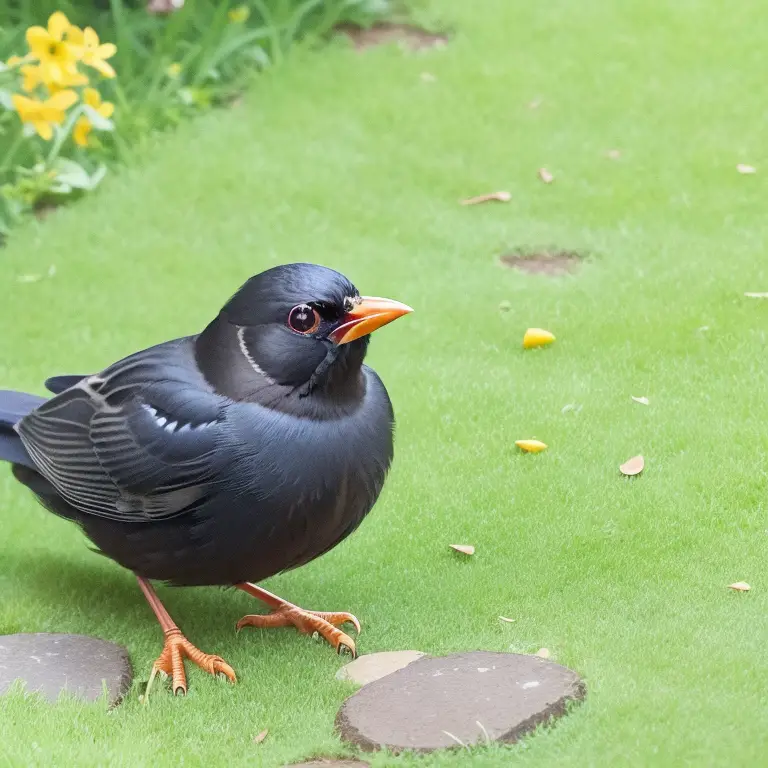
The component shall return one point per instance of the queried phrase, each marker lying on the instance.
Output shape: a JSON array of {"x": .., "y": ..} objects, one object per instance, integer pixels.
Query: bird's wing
[
  {"x": 148, "y": 456},
  {"x": 58, "y": 384}
]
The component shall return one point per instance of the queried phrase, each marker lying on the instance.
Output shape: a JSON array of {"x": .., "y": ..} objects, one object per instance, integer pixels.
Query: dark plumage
[{"x": 226, "y": 457}]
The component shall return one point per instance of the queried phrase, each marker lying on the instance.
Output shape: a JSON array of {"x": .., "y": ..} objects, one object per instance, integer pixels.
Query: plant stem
[
  {"x": 62, "y": 134},
  {"x": 12, "y": 150}
]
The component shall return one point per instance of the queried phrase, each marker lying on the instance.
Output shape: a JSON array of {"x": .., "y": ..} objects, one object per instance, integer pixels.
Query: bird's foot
[
  {"x": 171, "y": 662},
  {"x": 323, "y": 622}
]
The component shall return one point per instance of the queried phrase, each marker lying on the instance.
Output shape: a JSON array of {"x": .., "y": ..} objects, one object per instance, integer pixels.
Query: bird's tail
[{"x": 14, "y": 406}]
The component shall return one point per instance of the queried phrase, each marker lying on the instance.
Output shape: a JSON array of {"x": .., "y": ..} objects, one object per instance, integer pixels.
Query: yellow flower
[
  {"x": 57, "y": 57},
  {"x": 84, "y": 126},
  {"x": 14, "y": 61},
  {"x": 240, "y": 14},
  {"x": 173, "y": 70},
  {"x": 35, "y": 75},
  {"x": 43, "y": 115},
  {"x": 91, "y": 51}
]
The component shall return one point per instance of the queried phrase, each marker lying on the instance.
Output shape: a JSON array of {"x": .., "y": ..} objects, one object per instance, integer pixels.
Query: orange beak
[{"x": 364, "y": 318}]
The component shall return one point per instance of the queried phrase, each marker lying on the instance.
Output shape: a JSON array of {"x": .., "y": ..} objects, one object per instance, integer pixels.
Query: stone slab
[
  {"x": 439, "y": 702},
  {"x": 373, "y": 666},
  {"x": 52, "y": 663},
  {"x": 330, "y": 764}
]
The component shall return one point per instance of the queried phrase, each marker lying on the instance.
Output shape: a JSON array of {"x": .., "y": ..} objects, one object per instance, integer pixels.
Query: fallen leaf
[
  {"x": 751, "y": 295},
  {"x": 740, "y": 586},
  {"x": 546, "y": 176},
  {"x": 641, "y": 400},
  {"x": 633, "y": 466},
  {"x": 531, "y": 446},
  {"x": 465, "y": 549},
  {"x": 502, "y": 197},
  {"x": 743, "y": 168},
  {"x": 51, "y": 272},
  {"x": 543, "y": 653},
  {"x": 613, "y": 154},
  {"x": 509, "y": 621},
  {"x": 260, "y": 737},
  {"x": 537, "y": 337}
]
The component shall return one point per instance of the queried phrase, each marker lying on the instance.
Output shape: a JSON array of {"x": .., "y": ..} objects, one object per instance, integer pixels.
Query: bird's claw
[
  {"x": 170, "y": 663},
  {"x": 323, "y": 623}
]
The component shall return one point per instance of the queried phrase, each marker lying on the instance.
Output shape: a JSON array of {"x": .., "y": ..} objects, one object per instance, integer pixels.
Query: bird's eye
[{"x": 303, "y": 319}]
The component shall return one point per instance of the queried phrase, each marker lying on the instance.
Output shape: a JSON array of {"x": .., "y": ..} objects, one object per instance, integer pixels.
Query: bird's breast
[{"x": 306, "y": 485}]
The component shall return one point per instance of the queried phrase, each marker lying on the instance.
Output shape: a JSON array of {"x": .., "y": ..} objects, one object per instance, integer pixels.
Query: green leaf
[
  {"x": 99, "y": 122},
  {"x": 6, "y": 102},
  {"x": 70, "y": 174}
]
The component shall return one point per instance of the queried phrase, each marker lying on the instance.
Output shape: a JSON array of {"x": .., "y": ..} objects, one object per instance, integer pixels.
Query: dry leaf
[
  {"x": 465, "y": 549},
  {"x": 537, "y": 337},
  {"x": 641, "y": 400},
  {"x": 509, "y": 621},
  {"x": 752, "y": 295},
  {"x": 263, "y": 735},
  {"x": 546, "y": 176},
  {"x": 502, "y": 197},
  {"x": 531, "y": 446},
  {"x": 633, "y": 466},
  {"x": 746, "y": 169},
  {"x": 613, "y": 154},
  {"x": 543, "y": 653},
  {"x": 740, "y": 586}
]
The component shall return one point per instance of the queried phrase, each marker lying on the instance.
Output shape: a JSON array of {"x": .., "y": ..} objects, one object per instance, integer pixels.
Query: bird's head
[{"x": 298, "y": 326}]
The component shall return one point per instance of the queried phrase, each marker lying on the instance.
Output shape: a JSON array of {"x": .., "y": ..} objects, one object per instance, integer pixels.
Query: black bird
[{"x": 221, "y": 458}]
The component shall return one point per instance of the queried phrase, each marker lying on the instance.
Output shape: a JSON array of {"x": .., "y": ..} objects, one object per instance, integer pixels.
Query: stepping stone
[
  {"x": 52, "y": 663},
  {"x": 437, "y": 702},
  {"x": 372, "y": 666},
  {"x": 330, "y": 764}
]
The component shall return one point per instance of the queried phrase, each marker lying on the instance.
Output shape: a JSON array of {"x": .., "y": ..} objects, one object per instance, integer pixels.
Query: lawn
[{"x": 358, "y": 162}]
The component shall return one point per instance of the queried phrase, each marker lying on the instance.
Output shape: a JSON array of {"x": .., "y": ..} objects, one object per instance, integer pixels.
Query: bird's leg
[
  {"x": 285, "y": 614},
  {"x": 177, "y": 647}
]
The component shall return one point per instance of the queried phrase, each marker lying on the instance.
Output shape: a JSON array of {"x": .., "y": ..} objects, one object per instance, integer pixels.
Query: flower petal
[
  {"x": 33, "y": 76},
  {"x": 75, "y": 36},
  {"x": 62, "y": 100},
  {"x": 107, "y": 109},
  {"x": 103, "y": 67},
  {"x": 91, "y": 97},
  {"x": 24, "y": 106},
  {"x": 106, "y": 51},
  {"x": 44, "y": 129},
  {"x": 38, "y": 40},
  {"x": 81, "y": 131},
  {"x": 58, "y": 24}
]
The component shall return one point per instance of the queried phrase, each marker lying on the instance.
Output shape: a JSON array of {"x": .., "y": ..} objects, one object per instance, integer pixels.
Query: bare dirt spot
[
  {"x": 330, "y": 763},
  {"x": 412, "y": 38},
  {"x": 548, "y": 261}
]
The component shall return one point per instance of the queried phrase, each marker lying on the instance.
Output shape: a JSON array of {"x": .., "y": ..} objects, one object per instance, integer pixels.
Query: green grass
[
  {"x": 169, "y": 67},
  {"x": 357, "y": 162}
]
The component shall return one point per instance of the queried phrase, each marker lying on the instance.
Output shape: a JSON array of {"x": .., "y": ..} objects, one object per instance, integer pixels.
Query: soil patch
[
  {"x": 410, "y": 37},
  {"x": 547, "y": 261}
]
